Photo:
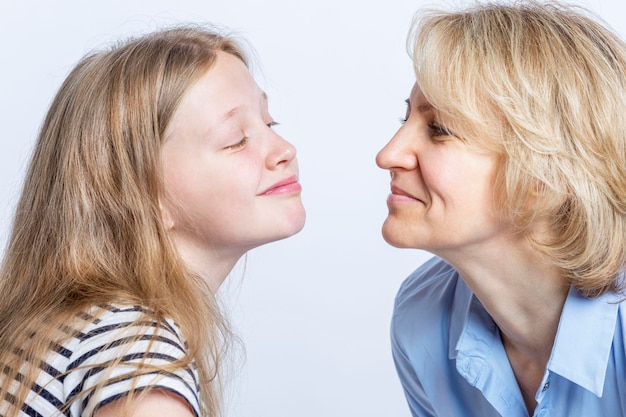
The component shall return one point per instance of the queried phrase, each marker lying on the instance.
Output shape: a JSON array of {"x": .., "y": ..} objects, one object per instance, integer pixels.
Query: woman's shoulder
[
  {"x": 424, "y": 304},
  {"x": 434, "y": 278}
]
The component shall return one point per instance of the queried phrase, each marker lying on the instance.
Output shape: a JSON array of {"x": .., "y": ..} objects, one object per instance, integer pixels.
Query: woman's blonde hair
[
  {"x": 88, "y": 229},
  {"x": 544, "y": 86}
]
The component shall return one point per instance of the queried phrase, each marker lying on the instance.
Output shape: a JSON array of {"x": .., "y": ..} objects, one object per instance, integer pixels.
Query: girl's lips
[{"x": 287, "y": 186}]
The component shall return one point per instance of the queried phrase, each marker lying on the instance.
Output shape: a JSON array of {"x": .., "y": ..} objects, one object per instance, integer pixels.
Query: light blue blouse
[{"x": 451, "y": 362}]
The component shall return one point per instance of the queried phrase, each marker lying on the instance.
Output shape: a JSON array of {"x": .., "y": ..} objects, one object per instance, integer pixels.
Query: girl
[{"x": 156, "y": 169}]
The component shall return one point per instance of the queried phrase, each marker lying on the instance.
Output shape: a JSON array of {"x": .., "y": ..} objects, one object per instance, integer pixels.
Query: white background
[{"x": 313, "y": 311}]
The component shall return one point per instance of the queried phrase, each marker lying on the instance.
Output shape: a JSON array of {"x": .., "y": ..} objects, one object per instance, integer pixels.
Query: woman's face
[
  {"x": 442, "y": 196},
  {"x": 231, "y": 182}
]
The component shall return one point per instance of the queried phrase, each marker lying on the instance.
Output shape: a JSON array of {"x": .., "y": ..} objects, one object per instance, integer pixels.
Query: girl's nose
[{"x": 282, "y": 152}]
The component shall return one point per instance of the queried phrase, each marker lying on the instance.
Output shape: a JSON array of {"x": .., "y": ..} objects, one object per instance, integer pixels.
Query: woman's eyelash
[
  {"x": 408, "y": 111},
  {"x": 272, "y": 124},
  {"x": 438, "y": 130}
]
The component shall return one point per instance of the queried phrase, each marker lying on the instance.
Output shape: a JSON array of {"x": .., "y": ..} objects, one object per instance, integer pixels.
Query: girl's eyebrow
[{"x": 230, "y": 113}]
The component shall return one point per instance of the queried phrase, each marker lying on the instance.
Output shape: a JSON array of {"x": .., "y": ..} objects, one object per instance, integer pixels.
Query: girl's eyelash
[
  {"x": 244, "y": 140},
  {"x": 239, "y": 144},
  {"x": 402, "y": 120}
]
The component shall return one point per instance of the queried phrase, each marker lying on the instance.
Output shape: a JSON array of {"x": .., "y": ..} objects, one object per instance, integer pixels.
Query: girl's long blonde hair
[
  {"x": 544, "y": 86},
  {"x": 88, "y": 229}
]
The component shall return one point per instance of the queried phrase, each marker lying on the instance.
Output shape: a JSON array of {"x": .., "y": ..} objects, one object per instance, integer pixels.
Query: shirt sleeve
[
  {"x": 104, "y": 365},
  {"x": 403, "y": 331},
  {"x": 413, "y": 390}
]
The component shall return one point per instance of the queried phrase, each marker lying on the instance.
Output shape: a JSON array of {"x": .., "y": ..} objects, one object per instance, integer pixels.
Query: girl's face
[
  {"x": 442, "y": 196},
  {"x": 231, "y": 182}
]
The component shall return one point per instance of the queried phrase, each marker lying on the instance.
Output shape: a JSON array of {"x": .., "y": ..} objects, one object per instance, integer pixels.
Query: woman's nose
[{"x": 398, "y": 152}]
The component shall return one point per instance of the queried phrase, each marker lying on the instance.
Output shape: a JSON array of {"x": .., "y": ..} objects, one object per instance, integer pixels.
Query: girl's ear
[{"x": 166, "y": 215}]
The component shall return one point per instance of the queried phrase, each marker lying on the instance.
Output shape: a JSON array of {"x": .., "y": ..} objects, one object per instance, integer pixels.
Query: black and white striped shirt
[{"x": 71, "y": 370}]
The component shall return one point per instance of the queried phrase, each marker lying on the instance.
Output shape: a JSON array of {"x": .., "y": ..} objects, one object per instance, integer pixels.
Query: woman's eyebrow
[{"x": 424, "y": 107}]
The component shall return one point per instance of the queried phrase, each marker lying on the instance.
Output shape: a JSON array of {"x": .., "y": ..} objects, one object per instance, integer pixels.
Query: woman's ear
[{"x": 543, "y": 201}]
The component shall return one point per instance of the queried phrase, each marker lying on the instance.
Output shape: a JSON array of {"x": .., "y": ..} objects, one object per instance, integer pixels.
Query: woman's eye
[
  {"x": 438, "y": 130},
  {"x": 408, "y": 112},
  {"x": 272, "y": 124},
  {"x": 239, "y": 144}
]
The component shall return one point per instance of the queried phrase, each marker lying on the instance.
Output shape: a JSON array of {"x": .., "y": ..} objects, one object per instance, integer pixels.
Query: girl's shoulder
[
  {"x": 113, "y": 327},
  {"x": 118, "y": 349},
  {"x": 127, "y": 319}
]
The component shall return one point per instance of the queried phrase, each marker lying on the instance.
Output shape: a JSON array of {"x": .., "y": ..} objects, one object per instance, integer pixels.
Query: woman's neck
[
  {"x": 524, "y": 294},
  {"x": 520, "y": 288}
]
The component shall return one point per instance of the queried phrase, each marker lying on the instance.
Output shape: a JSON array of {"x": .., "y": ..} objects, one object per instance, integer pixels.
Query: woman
[
  {"x": 510, "y": 169},
  {"x": 156, "y": 169}
]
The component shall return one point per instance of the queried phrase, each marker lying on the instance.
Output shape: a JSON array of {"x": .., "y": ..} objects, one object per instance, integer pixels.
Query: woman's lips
[
  {"x": 399, "y": 195},
  {"x": 287, "y": 186}
]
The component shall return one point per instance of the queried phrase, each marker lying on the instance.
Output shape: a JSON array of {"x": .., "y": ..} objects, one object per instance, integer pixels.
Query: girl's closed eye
[
  {"x": 244, "y": 140},
  {"x": 239, "y": 144}
]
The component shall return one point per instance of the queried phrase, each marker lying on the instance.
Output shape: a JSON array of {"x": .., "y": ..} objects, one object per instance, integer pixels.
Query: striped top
[{"x": 83, "y": 362}]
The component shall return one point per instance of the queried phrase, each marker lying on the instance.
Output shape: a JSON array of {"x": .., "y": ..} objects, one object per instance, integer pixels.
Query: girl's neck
[{"x": 212, "y": 264}]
